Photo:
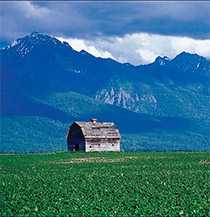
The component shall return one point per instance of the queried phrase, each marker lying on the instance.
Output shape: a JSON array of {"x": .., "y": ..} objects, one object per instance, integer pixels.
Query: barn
[{"x": 93, "y": 136}]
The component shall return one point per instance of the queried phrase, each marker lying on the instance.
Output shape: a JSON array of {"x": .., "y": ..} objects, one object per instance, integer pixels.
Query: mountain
[
  {"x": 46, "y": 85},
  {"x": 177, "y": 87}
]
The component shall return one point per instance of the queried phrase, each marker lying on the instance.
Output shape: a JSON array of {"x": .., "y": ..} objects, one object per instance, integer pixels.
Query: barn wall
[
  {"x": 75, "y": 136},
  {"x": 101, "y": 145}
]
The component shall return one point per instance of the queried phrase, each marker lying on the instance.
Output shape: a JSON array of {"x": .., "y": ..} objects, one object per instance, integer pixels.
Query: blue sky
[{"x": 133, "y": 32}]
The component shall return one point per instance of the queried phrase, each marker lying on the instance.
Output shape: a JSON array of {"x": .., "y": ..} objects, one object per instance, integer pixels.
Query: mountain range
[{"x": 46, "y": 85}]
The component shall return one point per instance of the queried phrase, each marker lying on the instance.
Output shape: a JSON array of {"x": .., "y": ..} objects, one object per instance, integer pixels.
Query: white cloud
[
  {"x": 140, "y": 48},
  {"x": 79, "y": 44},
  {"x": 32, "y": 11}
]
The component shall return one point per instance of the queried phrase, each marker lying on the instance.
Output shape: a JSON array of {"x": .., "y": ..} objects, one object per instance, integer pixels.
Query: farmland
[{"x": 105, "y": 184}]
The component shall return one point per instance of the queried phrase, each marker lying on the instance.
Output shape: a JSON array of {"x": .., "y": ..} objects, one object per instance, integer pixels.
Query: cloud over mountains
[
  {"x": 140, "y": 48},
  {"x": 133, "y": 32}
]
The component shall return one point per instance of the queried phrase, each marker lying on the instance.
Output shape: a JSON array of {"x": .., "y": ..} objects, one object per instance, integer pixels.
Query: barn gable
[{"x": 93, "y": 136}]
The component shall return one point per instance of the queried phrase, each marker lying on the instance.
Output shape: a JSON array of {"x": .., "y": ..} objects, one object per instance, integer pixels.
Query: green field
[{"x": 105, "y": 184}]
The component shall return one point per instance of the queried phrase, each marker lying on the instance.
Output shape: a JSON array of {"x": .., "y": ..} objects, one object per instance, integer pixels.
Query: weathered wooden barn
[{"x": 93, "y": 136}]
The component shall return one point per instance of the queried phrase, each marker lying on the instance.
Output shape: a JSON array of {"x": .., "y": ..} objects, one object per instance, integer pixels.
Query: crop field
[{"x": 105, "y": 184}]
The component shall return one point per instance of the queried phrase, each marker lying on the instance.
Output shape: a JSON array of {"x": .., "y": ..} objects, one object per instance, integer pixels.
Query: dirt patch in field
[
  {"x": 6, "y": 154},
  {"x": 95, "y": 160},
  {"x": 204, "y": 162}
]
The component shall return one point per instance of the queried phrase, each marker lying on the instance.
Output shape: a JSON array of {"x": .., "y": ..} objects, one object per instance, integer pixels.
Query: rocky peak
[{"x": 162, "y": 60}]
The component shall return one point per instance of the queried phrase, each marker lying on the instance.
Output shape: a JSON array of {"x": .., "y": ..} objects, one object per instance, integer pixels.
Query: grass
[{"x": 105, "y": 184}]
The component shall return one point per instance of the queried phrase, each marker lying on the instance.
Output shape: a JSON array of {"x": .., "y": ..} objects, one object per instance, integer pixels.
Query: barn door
[{"x": 77, "y": 147}]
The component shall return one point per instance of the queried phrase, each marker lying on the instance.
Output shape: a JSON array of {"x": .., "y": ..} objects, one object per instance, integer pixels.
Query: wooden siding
[
  {"x": 75, "y": 139},
  {"x": 101, "y": 145}
]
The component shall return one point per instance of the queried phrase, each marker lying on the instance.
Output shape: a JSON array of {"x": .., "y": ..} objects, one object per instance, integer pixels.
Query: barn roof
[{"x": 93, "y": 129}]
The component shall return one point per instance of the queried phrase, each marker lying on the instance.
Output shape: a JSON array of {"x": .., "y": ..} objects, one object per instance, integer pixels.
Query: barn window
[
  {"x": 90, "y": 146},
  {"x": 112, "y": 144},
  {"x": 99, "y": 145}
]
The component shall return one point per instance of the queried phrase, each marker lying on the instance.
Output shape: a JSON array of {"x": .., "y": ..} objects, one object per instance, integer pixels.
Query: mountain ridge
[
  {"x": 171, "y": 92},
  {"x": 41, "y": 37}
]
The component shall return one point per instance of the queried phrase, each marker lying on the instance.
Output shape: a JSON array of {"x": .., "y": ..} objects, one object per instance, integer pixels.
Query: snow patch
[
  {"x": 14, "y": 43},
  {"x": 77, "y": 71}
]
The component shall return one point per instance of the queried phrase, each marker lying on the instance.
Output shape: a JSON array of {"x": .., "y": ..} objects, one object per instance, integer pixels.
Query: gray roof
[{"x": 99, "y": 129}]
